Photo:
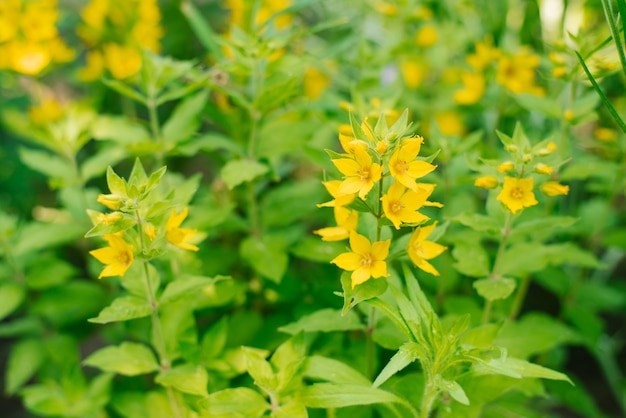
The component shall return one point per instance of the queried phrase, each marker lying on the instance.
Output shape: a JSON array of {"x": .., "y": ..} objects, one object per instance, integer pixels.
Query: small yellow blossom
[
  {"x": 111, "y": 201},
  {"x": 559, "y": 72},
  {"x": 332, "y": 187},
  {"x": 553, "y": 188},
  {"x": 48, "y": 110},
  {"x": 450, "y": 123},
  {"x": 118, "y": 256},
  {"x": 315, "y": 82},
  {"x": 347, "y": 221},
  {"x": 605, "y": 134},
  {"x": 484, "y": 56},
  {"x": 568, "y": 115},
  {"x": 547, "y": 150},
  {"x": 122, "y": 61},
  {"x": 401, "y": 205},
  {"x": 473, "y": 88},
  {"x": 506, "y": 167},
  {"x": 420, "y": 250},
  {"x": 403, "y": 165},
  {"x": 109, "y": 218},
  {"x": 486, "y": 182},
  {"x": 542, "y": 168},
  {"x": 413, "y": 72},
  {"x": 361, "y": 173},
  {"x": 385, "y": 8},
  {"x": 511, "y": 148},
  {"x": 179, "y": 236},
  {"x": 150, "y": 231},
  {"x": 517, "y": 194},
  {"x": 365, "y": 260},
  {"x": 426, "y": 36},
  {"x": 517, "y": 73}
]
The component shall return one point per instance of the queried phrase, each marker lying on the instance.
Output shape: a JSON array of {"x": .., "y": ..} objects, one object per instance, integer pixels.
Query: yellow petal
[{"x": 347, "y": 261}]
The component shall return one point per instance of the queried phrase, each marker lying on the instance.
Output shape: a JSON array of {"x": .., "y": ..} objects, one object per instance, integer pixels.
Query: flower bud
[
  {"x": 506, "y": 166},
  {"x": 542, "y": 168},
  {"x": 111, "y": 201},
  {"x": 486, "y": 182},
  {"x": 605, "y": 134},
  {"x": 559, "y": 72},
  {"x": 381, "y": 147},
  {"x": 110, "y": 218},
  {"x": 511, "y": 148},
  {"x": 553, "y": 188},
  {"x": 568, "y": 115}
]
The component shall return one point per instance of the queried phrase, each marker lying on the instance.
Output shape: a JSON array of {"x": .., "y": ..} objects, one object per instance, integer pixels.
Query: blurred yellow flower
[
  {"x": 315, "y": 82},
  {"x": 486, "y": 182},
  {"x": 401, "y": 205},
  {"x": 122, "y": 61},
  {"x": 473, "y": 88},
  {"x": 420, "y": 250},
  {"x": 413, "y": 72},
  {"x": 426, "y": 36},
  {"x": 506, "y": 167},
  {"x": 179, "y": 236},
  {"x": 118, "y": 256},
  {"x": 48, "y": 110},
  {"x": 485, "y": 54},
  {"x": 541, "y": 168},
  {"x": 517, "y": 193},
  {"x": 365, "y": 260},
  {"x": 605, "y": 134},
  {"x": 553, "y": 188},
  {"x": 517, "y": 73},
  {"x": 449, "y": 123}
]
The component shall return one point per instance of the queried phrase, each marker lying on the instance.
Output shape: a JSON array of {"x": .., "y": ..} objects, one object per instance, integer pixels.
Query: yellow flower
[
  {"x": 485, "y": 54},
  {"x": 361, "y": 173},
  {"x": 517, "y": 194},
  {"x": 426, "y": 36},
  {"x": 517, "y": 73},
  {"x": 109, "y": 218},
  {"x": 605, "y": 134},
  {"x": 111, "y": 201},
  {"x": 150, "y": 231},
  {"x": 29, "y": 58},
  {"x": 347, "y": 221},
  {"x": 568, "y": 115},
  {"x": 542, "y": 168},
  {"x": 401, "y": 205},
  {"x": 559, "y": 72},
  {"x": 118, "y": 256},
  {"x": 94, "y": 68},
  {"x": 486, "y": 182},
  {"x": 553, "y": 188},
  {"x": 506, "y": 166},
  {"x": 315, "y": 82},
  {"x": 420, "y": 250},
  {"x": 413, "y": 73},
  {"x": 49, "y": 110},
  {"x": 547, "y": 150},
  {"x": 122, "y": 61},
  {"x": 403, "y": 165},
  {"x": 449, "y": 123},
  {"x": 179, "y": 236},
  {"x": 365, "y": 260},
  {"x": 332, "y": 187},
  {"x": 473, "y": 88}
]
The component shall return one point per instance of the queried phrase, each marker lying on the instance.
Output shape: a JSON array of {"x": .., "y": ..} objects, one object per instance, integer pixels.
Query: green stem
[
  {"x": 370, "y": 348},
  {"x": 155, "y": 128},
  {"x": 519, "y": 297},
  {"x": 428, "y": 399},
  {"x": 495, "y": 271}
]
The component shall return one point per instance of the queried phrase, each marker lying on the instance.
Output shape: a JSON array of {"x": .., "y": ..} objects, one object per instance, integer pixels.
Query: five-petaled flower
[
  {"x": 118, "y": 256},
  {"x": 365, "y": 260},
  {"x": 517, "y": 194},
  {"x": 361, "y": 172},
  {"x": 403, "y": 165},
  {"x": 420, "y": 250},
  {"x": 179, "y": 236},
  {"x": 400, "y": 204}
]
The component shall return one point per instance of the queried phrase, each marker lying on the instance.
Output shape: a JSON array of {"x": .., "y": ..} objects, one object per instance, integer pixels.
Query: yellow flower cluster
[
  {"x": 370, "y": 156},
  {"x": 29, "y": 40},
  {"x": 116, "y": 31},
  {"x": 517, "y": 192},
  {"x": 516, "y": 73}
]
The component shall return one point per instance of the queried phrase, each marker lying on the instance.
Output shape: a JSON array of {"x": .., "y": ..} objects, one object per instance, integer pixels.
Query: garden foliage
[{"x": 310, "y": 208}]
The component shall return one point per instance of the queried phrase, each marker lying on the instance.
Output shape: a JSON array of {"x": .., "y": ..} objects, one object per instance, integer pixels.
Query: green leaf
[
  {"x": 45, "y": 399},
  {"x": 185, "y": 120},
  {"x": 186, "y": 378},
  {"x": 290, "y": 409},
  {"x": 124, "y": 308},
  {"x": 517, "y": 368},
  {"x": 260, "y": 370},
  {"x": 542, "y": 225},
  {"x": 50, "y": 165},
  {"x": 407, "y": 354},
  {"x": 238, "y": 402},
  {"x": 454, "y": 389},
  {"x": 129, "y": 359},
  {"x": 331, "y": 370},
  {"x": 202, "y": 29},
  {"x": 325, "y": 320},
  {"x": 237, "y": 172},
  {"x": 50, "y": 272},
  {"x": 471, "y": 259},
  {"x": 124, "y": 90},
  {"x": 494, "y": 289},
  {"x": 290, "y": 202},
  {"x": 277, "y": 92},
  {"x": 214, "y": 340},
  {"x": 119, "y": 129},
  {"x": 25, "y": 358},
  {"x": 116, "y": 184},
  {"x": 478, "y": 222},
  {"x": 314, "y": 249},
  {"x": 209, "y": 142},
  {"x": 544, "y": 105},
  {"x": 104, "y": 228},
  {"x": 11, "y": 297},
  {"x": 368, "y": 290},
  {"x": 266, "y": 255},
  {"x": 187, "y": 286},
  {"x": 340, "y": 395}
]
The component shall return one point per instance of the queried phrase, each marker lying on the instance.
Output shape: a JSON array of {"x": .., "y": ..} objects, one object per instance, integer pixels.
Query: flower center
[
  {"x": 517, "y": 193},
  {"x": 363, "y": 173},
  {"x": 418, "y": 249},
  {"x": 401, "y": 166},
  {"x": 124, "y": 258},
  {"x": 396, "y": 206},
  {"x": 366, "y": 260}
]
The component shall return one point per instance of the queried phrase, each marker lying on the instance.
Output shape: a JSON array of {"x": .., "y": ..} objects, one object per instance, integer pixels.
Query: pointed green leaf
[
  {"x": 123, "y": 308},
  {"x": 325, "y": 320},
  {"x": 494, "y": 289},
  {"x": 336, "y": 395},
  {"x": 24, "y": 360},
  {"x": 407, "y": 354},
  {"x": 129, "y": 359},
  {"x": 116, "y": 184},
  {"x": 186, "y": 378},
  {"x": 237, "y": 172},
  {"x": 11, "y": 297},
  {"x": 266, "y": 255},
  {"x": 368, "y": 290},
  {"x": 187, "y": 286},
  {"x": 185, "y": 120},
  {"x": 237, "y": 402},
  {"x": 331, "y": 370}
]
